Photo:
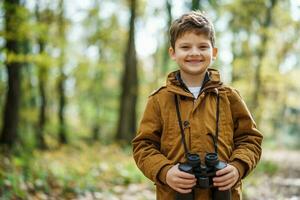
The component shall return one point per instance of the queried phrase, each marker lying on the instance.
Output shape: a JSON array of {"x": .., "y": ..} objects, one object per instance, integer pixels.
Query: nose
[{"x": 194, "y": 51}]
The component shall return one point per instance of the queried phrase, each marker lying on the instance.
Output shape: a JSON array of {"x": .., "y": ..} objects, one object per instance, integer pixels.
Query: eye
[
  {"x": 203, "y": 47},
  {"x": 184, "y": 47}
]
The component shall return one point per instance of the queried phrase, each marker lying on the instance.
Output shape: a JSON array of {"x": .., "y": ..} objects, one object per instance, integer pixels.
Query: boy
[{"x": 195, "y": 113}]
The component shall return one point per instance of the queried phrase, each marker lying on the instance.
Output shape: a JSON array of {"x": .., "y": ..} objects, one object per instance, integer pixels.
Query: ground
[
  {"x": 108, "y": 172},
  {"x": 282, "y": 185}
]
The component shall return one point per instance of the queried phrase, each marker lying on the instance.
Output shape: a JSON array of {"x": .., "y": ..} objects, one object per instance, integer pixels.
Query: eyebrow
[{"x": 187, "y": 43}]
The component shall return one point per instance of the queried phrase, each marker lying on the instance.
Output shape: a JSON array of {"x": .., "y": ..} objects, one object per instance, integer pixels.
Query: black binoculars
[{"x": 204, "y": 175}]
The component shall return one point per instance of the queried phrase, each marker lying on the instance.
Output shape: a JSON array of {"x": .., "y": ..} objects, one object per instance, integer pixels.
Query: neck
[{"x": 192, "y": 80}]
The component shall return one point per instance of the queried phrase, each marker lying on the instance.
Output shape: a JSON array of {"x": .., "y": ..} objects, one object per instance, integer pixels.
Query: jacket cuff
[
  {"x": 240, "y": 166},
  {"x": 163, "y": 173}
]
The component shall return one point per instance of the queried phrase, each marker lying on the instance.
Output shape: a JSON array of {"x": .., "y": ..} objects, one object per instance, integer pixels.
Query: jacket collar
[{"x": 176, "y": 85}]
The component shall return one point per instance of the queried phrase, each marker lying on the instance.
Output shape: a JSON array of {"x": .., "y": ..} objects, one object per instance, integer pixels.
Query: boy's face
[{"x": 193, "y": 53}]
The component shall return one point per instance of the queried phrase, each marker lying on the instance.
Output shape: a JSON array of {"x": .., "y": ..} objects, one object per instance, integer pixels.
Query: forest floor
[
  {"x": 281, "y": 184},
  {"x": 278, "y": 178},
  {"x": 88, "y": 172}
]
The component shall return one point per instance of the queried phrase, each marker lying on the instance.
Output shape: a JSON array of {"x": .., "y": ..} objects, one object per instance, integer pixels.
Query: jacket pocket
[
  {"x": 226, "y": 130},
  {"x": 169, "y": 132},
  {"x": 171, "y": 145}
]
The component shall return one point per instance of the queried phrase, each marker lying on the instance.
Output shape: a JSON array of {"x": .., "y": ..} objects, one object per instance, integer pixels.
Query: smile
[{"x": 194, "y": 61}]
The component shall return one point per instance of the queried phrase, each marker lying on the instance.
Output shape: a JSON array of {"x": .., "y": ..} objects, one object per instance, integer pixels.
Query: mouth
[{"x": 194, "y": 61}]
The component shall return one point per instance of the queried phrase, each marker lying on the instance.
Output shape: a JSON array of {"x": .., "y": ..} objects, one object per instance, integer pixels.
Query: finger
[
  {"x": 185, "y": 175},
  {"x": 186, "y": 181},
  {"x": 227, "y": 187},
  {"x": 223, "y": 178},
  {"x": 224, "y": 183},
  {"x": 190, "y": 185},
  {"x": 226, "y": 170}
]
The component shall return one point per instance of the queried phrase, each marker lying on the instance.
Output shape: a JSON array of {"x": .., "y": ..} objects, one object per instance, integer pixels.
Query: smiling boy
[{"x": 158, "y": 147}]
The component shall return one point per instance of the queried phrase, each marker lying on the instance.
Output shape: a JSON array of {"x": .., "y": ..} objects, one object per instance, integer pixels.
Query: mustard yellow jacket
[{"x": 157, "y": 145}]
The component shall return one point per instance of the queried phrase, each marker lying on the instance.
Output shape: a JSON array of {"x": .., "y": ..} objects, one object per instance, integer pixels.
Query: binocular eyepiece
[{"x": 204, "y": 175}]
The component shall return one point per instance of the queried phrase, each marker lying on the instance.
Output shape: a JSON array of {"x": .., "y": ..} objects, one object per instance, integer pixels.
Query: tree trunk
[
  {"x": 9, "y": 134},
  {"x": 96, "y": 132},
  {"x": 234, "y": 74},
  {"x": 166, "y": 57},
  {"x": 61, "y": 111},
  {"x": 261, "y": 54},
  {"x": 61, "y": 82},
  {"x": 42, "y": 111},
  {"x": 127, "y": 117},
  {"x": 97, "y": 101},
  {"x": 42, "y": 74}
]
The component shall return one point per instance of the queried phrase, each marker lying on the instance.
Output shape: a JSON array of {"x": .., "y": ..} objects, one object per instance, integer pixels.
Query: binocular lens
[
  {"x": 211, "y": 159},
  {"x": 194, "y": 159}
]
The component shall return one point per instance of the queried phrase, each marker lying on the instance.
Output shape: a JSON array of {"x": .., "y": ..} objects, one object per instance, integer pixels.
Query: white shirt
[{"x": 195, "y": 91}]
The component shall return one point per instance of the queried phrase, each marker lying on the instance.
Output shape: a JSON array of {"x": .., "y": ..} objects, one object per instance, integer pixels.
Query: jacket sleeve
[
  {"x": 247, "y": 138},
  {"x": 146, "y": 144}
]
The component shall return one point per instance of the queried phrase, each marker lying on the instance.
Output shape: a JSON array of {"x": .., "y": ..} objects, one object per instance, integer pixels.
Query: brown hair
[{"x": 194, "y": 21}]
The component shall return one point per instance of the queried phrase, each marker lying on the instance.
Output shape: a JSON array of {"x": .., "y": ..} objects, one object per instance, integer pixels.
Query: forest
[{"x": 75, "y": 77}]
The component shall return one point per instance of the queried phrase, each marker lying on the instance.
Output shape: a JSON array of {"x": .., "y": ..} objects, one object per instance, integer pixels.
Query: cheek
[
  {"x": 208, "y": 54},
  {"x": 181, "y": 55}
]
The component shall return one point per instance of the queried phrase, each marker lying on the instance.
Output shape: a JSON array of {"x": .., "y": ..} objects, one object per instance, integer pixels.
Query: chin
[{"x": 195, "y": 72}]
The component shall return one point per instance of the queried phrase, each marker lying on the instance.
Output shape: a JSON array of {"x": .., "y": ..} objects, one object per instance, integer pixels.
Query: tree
[
  {"x": 166, "y": 59},
  {"x": 265, "y": 37},
  {"x": 44, "y": 19},
  {"x": 260, "y": 54},
  {"x": 62, "y": 77},
  {"x": 98, "y": 94},
  {"x": 249, "y": 57},
  {"x": 13, "y": 44},
  {"x": 127, "y": 117}
]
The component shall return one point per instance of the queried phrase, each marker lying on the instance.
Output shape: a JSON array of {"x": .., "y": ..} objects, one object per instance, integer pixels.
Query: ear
[
  {"x": 215, "y": 53},
  {"x": 172, "y": 53}
]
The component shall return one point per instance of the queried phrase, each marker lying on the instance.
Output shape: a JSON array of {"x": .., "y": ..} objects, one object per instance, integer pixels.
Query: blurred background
[{"x": 75, "y": 76}]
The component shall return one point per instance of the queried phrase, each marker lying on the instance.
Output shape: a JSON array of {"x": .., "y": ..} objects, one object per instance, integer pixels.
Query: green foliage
[
  {"x": 93, "y": 66},
  {"x": 267, "y": 167},
  {"x": 69, "y": 171}
]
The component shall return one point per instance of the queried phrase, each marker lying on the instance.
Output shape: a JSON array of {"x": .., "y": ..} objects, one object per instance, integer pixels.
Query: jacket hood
[{"x": 176, "y": 85}]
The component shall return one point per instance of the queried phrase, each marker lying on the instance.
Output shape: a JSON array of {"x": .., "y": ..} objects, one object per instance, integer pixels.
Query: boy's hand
[
  {"x": 226, "y": 178},
  {"x": 180, "y": 181}
]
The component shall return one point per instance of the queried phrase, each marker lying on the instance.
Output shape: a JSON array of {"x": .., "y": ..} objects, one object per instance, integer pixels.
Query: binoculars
[{"x": 204, "y": 175}]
